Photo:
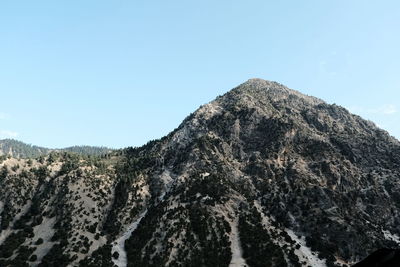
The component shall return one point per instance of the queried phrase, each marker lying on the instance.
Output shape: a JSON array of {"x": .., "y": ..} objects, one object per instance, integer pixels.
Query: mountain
[
  {"x": 261, "y": 176},
  {"x": 18, "y": 149}
]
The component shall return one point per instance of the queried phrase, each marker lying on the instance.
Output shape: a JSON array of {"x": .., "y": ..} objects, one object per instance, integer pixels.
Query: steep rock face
[{"x": 261, "y": 176}]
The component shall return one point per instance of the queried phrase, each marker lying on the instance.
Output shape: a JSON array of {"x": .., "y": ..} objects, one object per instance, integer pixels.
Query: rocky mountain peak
[
  {"x": 271, "y": 90},
  {"x": 261, "y": 98},
  {"x": 258, "y": 83},
  {"x": 261, "y": 176}
]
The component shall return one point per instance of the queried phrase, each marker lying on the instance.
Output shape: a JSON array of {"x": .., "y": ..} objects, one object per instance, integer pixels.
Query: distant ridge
[{"x": 18, "y": 149}]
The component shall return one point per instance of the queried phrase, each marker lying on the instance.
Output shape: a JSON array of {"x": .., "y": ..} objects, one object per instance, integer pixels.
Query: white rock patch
[
  {"x": 228, "y": 211},
  {"x": 44, "y": 231},
  {"x": 166, "y": 178},
  {"x": 119, "y": 244},
  {"x": 237, "y": 255},
  {"x": 304, "y": 252},
  {"x": 389, "y": 236},
  {"x": 4, "y": 234}
]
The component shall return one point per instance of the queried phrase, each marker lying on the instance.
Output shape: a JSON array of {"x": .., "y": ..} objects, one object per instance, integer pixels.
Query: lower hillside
[{"x": 130, "y": 210}]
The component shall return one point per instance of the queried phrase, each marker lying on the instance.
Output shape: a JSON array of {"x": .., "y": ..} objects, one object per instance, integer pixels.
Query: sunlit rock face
[{"x": 261, "y": 176}]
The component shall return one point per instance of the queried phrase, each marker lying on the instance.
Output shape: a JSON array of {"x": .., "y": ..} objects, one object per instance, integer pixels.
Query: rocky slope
[{"x": 261, "y": 176}]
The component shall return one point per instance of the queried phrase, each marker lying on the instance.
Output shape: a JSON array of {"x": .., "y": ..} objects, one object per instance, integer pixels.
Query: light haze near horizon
[{"x": 120, "y": 73}]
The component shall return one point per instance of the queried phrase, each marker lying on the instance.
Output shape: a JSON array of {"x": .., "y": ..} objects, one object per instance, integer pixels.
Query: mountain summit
[{"x": 261, "y": 176}]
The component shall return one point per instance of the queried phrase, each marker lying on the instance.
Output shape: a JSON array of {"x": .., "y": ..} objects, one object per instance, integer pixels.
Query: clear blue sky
[{"x": 119, "y": 73}]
